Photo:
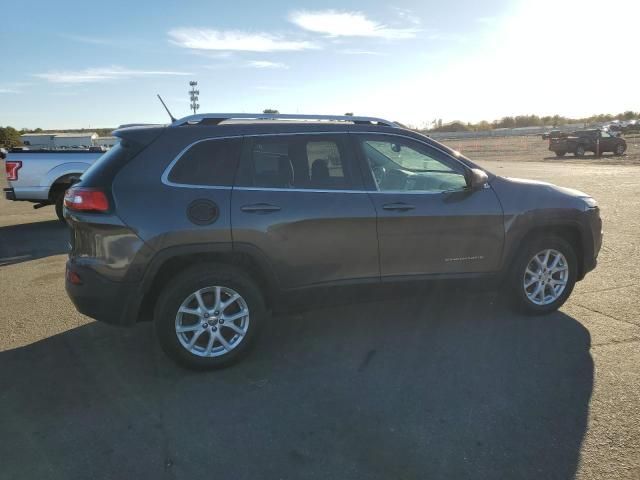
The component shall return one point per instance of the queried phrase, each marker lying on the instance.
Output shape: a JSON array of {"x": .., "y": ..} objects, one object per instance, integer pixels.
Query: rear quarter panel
[{"x": 158, "y": 212}]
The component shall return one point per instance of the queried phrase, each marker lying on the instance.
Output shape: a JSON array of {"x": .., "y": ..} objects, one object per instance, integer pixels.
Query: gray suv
[{"x": 205, "y": 224}]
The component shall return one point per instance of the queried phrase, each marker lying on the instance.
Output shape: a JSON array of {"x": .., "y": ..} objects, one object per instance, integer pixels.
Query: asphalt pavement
[{"x": 443, "y": 381}]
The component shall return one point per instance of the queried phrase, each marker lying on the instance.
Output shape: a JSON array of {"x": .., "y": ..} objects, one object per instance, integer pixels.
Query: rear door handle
[
  {"x": 260, "y": 208},
  {"x": 398, "y": 207}
]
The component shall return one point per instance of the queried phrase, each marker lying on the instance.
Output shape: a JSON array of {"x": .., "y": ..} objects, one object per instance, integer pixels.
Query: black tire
[
  {"x": 516, "y": 279},
  {"x": 619, "y": 150},
  {"x": 580, "y": 151},
  {"x": 59, "y": 204},
  {"x": 191, "y": 280},
  {"x": 560, "y": 154}
]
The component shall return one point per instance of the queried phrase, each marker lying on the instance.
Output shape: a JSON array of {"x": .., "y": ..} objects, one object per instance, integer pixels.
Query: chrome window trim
[
  {"x": 165, "y": 175},
  {"x": 306, "y": 190}
]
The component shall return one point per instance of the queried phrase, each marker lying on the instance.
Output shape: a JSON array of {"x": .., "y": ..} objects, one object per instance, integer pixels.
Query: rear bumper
[
  {"x": 32, "y": 194},
  {"x": 100, "y": 298},
  {"x": 9, "y": 193}
]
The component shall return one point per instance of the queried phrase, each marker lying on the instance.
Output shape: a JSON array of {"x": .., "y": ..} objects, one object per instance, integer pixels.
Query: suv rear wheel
[
  {"x": 620, "y": 148},
  {"x": 544, "y": 275},
  {"x": 208, "y": 316}
]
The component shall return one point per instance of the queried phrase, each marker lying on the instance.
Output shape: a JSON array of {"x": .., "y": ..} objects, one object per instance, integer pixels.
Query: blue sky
[{"x": 70, "y": 64}]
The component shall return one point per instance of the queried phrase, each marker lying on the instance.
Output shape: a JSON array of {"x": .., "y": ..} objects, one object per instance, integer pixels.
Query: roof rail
[
  {"x": 216, "y": 118},
  {"x": 128, "y": 125}
]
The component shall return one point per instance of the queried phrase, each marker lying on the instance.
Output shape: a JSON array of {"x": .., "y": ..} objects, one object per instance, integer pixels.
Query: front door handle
[
  {"x": 398, "y": 207},
  {"x": 260, "y": 208}
]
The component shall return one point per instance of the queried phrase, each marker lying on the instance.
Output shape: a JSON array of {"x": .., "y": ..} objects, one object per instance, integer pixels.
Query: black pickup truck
[{"x": 581, "y": 142}]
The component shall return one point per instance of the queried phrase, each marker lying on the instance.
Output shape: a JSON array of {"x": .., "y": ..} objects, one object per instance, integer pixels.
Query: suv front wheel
[
  {"x": 208, "y": 316},
  {"x": 544, "y": 275}
]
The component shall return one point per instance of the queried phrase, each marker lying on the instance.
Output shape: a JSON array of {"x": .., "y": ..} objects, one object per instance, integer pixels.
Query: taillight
[
  {"x": 86, "y": 200},
  {"x": 12, "y": 167}
]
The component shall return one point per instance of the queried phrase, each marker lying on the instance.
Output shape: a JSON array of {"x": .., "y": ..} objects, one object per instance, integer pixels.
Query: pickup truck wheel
[
  {"x": 620, "y": 149},
  {"x": 59, "y": 204},
  {"x": 560, "y": 154},
  {"x": 580, "y": 151},
  {"x": 544, "y": 275},
  {"x": 208, "y": 316}
]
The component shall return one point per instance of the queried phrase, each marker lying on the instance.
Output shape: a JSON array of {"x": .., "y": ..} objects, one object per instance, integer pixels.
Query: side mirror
[{"x": 477, "y": 179}]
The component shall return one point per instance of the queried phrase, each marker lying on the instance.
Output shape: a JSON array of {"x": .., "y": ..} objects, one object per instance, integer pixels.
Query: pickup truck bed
[{"x": 42, "y": 176}]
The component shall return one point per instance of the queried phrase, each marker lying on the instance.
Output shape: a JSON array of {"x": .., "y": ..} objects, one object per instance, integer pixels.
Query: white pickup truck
[{"x": 42, "y": 176}]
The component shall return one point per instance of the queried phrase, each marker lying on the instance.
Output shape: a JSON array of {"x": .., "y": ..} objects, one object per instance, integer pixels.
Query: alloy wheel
[
  {"x": 212, "y": 321},
  {"x": 545, "y": 277}
]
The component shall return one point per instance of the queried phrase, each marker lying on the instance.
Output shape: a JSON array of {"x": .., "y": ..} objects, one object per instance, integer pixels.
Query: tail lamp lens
[
  {"x": 73, "y": 277},
  {"x": 11, "y": 167},
  {"x": 86, "y": 200}
]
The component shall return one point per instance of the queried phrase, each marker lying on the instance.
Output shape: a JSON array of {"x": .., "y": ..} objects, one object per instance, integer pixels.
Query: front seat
[{"x": 320, "y": 173}]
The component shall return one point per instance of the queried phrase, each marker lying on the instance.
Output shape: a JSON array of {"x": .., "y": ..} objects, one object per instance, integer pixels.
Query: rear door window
[
  {"x": 208, "y": 162},
  {"x": 314, "y": 162}
]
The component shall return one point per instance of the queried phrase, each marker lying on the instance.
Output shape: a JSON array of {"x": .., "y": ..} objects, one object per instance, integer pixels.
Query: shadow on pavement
[
  {"x": 430, "y": 387},
  {"x": 29, "y": 241}
]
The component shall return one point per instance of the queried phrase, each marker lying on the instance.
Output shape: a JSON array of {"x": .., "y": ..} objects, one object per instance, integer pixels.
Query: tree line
[
  {"x": 526, "y": 121},
  {"x": 10, "y": 137}
]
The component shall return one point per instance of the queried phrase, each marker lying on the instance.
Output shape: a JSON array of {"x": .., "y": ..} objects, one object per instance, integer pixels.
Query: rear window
[
  {"x": 103, "y": 170},
  {"x": 210, "y": 162}
]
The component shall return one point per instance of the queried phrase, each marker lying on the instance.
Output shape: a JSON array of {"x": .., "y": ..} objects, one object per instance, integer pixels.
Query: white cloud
[
  {"x": 487, "y": 20},
  {"x": 266, "y": 64},
  {"x": 101, "y": 74},
  {"x": 230, "y": 40},
  {"x": 87, "y": 39},
  {"x": 407, "y": 15},
  {"x": 13, "y": 87},
  {"x": 336, "y": 23},
  {"x": 349, "y": 51}
]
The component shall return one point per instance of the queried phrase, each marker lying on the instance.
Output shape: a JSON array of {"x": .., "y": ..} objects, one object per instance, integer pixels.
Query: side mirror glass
[{"x": 477, "y": 179}]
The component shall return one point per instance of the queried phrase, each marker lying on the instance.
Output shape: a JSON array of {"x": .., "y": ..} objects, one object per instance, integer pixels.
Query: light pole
[{"x": 193, "y": 95}]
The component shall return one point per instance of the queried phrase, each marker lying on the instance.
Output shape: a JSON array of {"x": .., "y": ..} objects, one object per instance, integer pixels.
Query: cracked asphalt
[{"x": 439, "y": 382}]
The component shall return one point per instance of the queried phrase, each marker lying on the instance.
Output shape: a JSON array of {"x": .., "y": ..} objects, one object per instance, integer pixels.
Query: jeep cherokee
[{"x": 203, "y": 224}]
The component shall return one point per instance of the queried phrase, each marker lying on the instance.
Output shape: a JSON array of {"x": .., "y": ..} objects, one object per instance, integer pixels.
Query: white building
[
  {"x": 38, "y": 140},
  {"x": 105, "y": 141},
  {"x": 58, "y": 140},
  {"x": 68, "y": 140}
]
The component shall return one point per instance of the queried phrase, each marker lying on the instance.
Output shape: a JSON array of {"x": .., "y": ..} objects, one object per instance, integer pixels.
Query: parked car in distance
[
  {"x": 207, "y": 224},
  {"x": 580, "y": 142},
  {"x": 42, "y": 176},
  {"x": 553, "y": 134}
]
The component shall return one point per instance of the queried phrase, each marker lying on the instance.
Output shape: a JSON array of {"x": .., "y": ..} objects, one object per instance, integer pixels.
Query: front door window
[{"x": 399, "y": 164}]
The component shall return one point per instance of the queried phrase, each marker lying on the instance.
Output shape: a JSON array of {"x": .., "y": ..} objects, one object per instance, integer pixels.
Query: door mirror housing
[{"x": 477, "y": 179}]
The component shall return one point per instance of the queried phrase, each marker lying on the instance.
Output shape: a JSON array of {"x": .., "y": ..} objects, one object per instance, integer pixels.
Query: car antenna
[{"x": 173, "y": 119}]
